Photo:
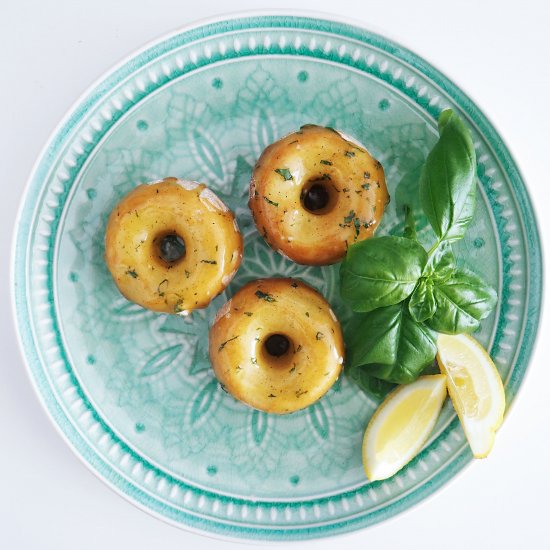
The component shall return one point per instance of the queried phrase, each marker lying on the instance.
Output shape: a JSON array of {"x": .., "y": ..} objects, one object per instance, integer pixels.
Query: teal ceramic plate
[{"x": 132, "y": 391}]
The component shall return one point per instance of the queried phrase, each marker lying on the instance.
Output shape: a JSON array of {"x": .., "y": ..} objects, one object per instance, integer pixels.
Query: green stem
[{"x": 434, "y": 248}]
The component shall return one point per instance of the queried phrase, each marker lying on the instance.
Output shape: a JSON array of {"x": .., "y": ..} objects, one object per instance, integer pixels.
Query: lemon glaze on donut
[
  {"x": 186, "y": 212},
  {"x": 277, "y": 379},
  {"x": 347, "y": 184}
]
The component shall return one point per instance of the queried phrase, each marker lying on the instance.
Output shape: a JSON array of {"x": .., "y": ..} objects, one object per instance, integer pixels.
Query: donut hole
[
  {"x": 170, "y": 247},
  {"x": 276, "y": 349},
  {"x": 277, "y": 345},
  {"x": 317, "y": 197}
]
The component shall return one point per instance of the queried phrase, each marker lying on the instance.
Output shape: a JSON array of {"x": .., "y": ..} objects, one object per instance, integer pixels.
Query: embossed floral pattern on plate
[{"x": 133, "y": 391}]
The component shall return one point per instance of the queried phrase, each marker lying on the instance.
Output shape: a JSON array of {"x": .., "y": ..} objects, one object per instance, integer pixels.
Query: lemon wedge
[
  {"x": 401, "y": 425},
  {"x": 475, "y": 388}
]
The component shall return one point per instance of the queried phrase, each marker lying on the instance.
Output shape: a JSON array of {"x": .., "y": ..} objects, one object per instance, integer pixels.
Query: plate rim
[{"x": 94, "y": 93}]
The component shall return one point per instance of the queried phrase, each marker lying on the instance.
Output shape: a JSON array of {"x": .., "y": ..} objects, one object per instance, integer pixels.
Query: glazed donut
[
  {"x": 276, "y": 345},
  {"x": 315, "y": 192},
  {"x": 172, "y": 246}
]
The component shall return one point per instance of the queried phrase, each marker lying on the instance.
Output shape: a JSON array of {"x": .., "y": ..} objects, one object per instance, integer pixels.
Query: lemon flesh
[
  {"x": 401, "y": 425},
  {"x": 475, "y": 388}
]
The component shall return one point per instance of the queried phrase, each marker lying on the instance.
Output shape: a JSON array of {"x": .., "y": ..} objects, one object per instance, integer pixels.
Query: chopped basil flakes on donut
[
  {"x": 264, "y": 296},
  {"x": 284, "y": 172},
  {"x": 349, "y": 217},
  {"x": 223, "y": 344},
  {"x": 268, "y": 200}
]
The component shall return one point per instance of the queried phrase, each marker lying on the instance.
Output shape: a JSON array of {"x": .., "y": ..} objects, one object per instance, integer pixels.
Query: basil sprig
[{"x": 404, "y": 295}]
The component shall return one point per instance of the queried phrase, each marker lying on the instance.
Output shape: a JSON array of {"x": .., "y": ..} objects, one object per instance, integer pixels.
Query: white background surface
[{"x": 50, "y": 52}]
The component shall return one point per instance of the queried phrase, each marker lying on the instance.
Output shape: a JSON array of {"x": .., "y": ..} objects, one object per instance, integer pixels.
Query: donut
[
  {"x": 315, "y": 192},
  {"x": 172, "y": 246},
  {"x": 276, "y": 345}
]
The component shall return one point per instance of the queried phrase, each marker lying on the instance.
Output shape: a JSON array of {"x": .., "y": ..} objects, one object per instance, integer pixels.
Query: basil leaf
[
  {"x": 389, "y": 344},
  {"x": 367, "y": 343},
  {"x": 409, "y": 232},
  {"x": 462, "y": 301},
  {"x": 373, "y": 386},
  {"x": 447, "y": 181},
  {"x": 422, "y": 304},
  {"x": 380, "y": 272},
  {"x": 441, "y": 263}
]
